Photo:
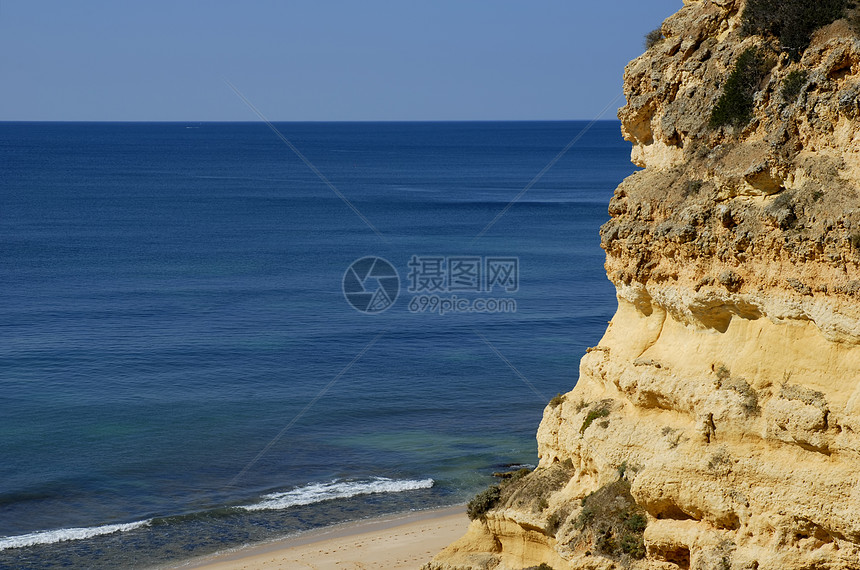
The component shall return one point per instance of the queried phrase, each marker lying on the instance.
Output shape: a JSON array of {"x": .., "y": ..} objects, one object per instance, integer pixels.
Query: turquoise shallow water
[{"x": 181, "y": 371}]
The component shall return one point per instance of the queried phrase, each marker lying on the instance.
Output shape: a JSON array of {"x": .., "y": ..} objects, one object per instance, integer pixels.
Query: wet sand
[{"x": 393, "y": 542}]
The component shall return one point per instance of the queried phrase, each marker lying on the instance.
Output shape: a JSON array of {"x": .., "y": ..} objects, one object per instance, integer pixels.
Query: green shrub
[
  {"x": 519, "y": 474},
  {"x": 525, "y": 489},
  {"x": 633, "y": 545},
  {"x": 613, "y": 522},
  {"x": 557, "y": 400},
  {"x": 750, "y": 396},
  {"x": 591, "y": 416},
  {"x": 793, "y": 83},
  {"x": 855, "y": 241},
  {"x": 483, "y": 502},
  {"x": 672, "y": 436},
  {"x": 792, "y": 21},
  {"x": 606, "y": 542},
  {"x": 512, "y": 476},
  {"x": 636, "y": 523},
  {"x": 586, "y": 515},
  {"x": 653, "y": 38},
  {"x": 735, "y": 106}
]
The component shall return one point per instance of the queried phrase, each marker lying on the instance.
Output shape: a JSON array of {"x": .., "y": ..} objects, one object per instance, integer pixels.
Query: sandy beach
[{"x": 394, "y": 542}]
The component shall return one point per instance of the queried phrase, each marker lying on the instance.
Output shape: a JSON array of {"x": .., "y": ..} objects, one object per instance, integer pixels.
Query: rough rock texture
[{"x": 723, "y": 401}]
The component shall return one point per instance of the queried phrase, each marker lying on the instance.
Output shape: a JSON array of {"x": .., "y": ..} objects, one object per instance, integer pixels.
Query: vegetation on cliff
[
  {"x": 653, "y": 37},
  {"x": 611, "y": 522},
  {"x": 793, "y": 83},
  {"x": 735, "y": 106},
  {"x": 483, "y": 502},
  {"x": 791, "y": 21}
]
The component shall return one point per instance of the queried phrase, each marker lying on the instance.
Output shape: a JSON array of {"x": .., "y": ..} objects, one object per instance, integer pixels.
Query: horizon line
[{"x": 183, "y": 121}]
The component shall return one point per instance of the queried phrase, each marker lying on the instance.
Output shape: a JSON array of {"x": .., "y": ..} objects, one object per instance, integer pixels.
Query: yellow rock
[{"x": 723, "y": 403}]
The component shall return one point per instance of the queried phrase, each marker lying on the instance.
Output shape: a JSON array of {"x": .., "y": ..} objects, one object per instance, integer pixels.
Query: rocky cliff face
[{"x": 721, "y": 410}]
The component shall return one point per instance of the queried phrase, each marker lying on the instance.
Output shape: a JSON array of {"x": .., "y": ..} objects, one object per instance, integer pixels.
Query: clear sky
[{"x": 315, "y": 60}]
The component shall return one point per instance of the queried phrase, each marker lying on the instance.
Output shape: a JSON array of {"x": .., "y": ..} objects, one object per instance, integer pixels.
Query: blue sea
[{"x": 203, "y": 344}]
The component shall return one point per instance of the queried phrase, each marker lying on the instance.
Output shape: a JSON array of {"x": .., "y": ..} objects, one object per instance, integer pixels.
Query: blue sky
[{"x": 318, "y": 60}]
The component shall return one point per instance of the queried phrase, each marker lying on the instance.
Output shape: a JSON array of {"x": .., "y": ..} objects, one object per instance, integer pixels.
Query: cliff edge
[{"x": 717, "y": 423}]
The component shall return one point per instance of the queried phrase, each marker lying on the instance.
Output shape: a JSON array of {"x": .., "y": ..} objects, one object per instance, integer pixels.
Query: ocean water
[{"x": 182, "y": 372}]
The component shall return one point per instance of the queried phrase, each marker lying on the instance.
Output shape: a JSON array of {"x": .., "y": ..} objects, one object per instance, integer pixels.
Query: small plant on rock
[
  {"x": 636, "y": 523},
  {"x": 720, "y": 462},
  {"x": 792, "y": 21},
  {"x": 653, "y": 38},
  {"x": 793, "y": 83},
  {"x": 591, "y": 416},
  {"x": 735, "y": 105},
  {"x": 483, "y": 502},
  {"x": 633, "y": 545},
  {"x": 749, "y": 396},
  {"x": 612, "y": 522},
  {"x": 586, "y": 515}
]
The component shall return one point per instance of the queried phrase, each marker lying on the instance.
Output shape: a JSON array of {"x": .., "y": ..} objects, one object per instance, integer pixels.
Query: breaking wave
[{"x": 319, "y": 492}]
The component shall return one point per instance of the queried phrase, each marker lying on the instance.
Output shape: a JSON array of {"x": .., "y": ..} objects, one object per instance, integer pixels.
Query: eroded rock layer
[{"x": 717, "y": 423}]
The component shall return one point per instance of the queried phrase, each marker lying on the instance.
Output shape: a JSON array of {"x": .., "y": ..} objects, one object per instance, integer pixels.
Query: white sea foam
[
  {"x": 318, "y": 492},
  {"x": 63, "y": 534},
  {"x": 307, "y": 495}
]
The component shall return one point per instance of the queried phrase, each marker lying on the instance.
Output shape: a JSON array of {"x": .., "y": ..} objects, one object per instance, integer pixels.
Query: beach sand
[{"x": 395, "y": 542}]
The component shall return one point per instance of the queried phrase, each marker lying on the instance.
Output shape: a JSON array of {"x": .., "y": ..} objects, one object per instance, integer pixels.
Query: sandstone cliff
[{"x": 721, "y": 410}]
